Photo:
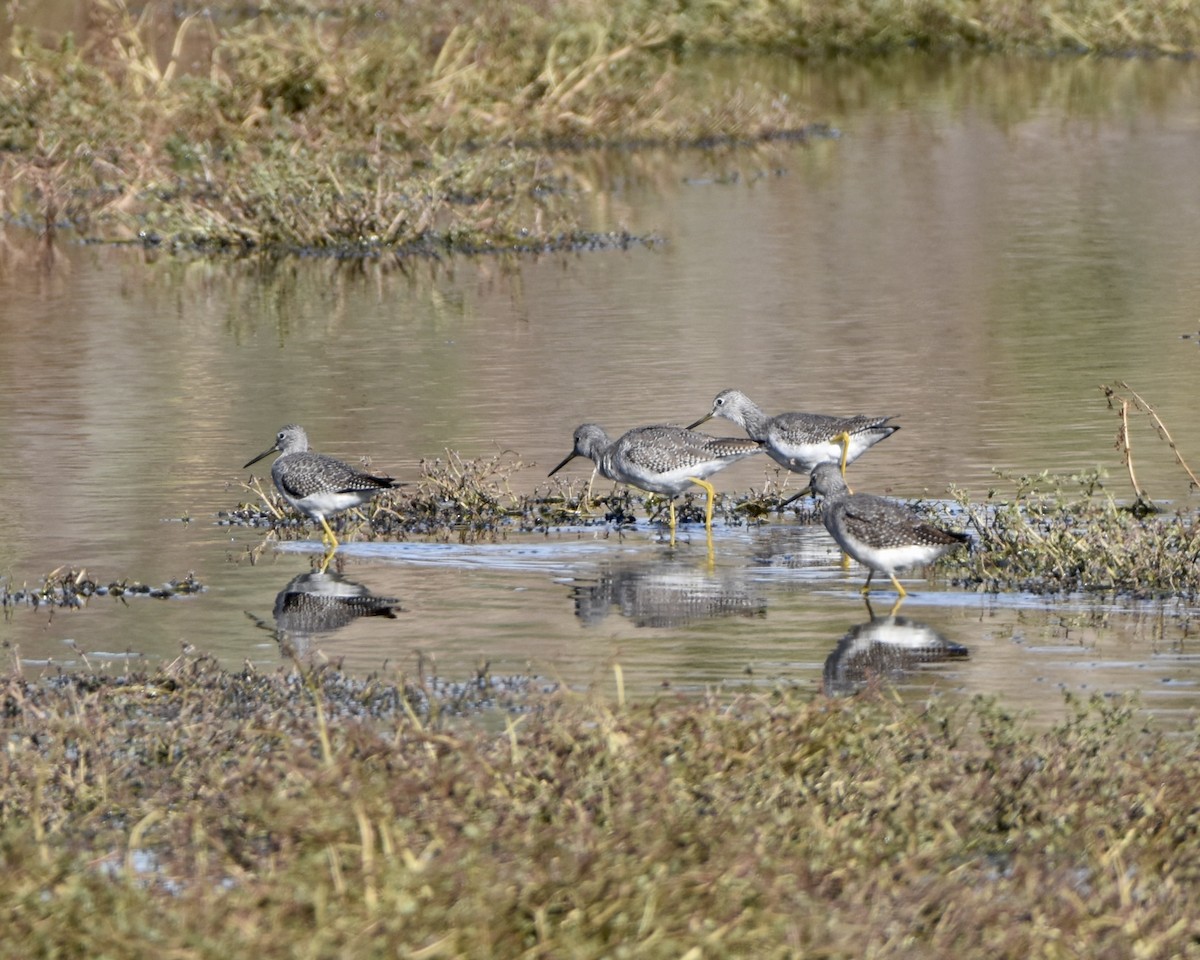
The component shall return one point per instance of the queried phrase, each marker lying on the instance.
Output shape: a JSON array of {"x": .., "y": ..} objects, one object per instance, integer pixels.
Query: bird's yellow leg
[
  {"x": 708, "y": 515},
  {"x": 329, "y": 537},
  {"x": 325, "y": 560},
  {"x": 844, "y": 439},
  {"x": 708, "y": 507},
  {"x": 899, "y": 588},
  {"x": 671, "y": 513},
  {"x": 866, "y": 587}
]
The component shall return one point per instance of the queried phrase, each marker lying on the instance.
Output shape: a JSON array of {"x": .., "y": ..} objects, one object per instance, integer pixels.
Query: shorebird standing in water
[
  {"x": 660, "y": 459},
  {"x": 799, "y": 441},
  {"x": 881, "y": 534},
  {"x": 317, "y": 485}
]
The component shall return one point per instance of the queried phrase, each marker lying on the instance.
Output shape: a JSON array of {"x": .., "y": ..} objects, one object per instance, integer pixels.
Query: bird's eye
[
  {"x": 280, "y": 435},
  {"x": 720, "y": 402}
]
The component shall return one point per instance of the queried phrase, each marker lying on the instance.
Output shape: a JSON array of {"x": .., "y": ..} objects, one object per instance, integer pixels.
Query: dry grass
[
  {"x": 198, "y": 813},
  {"x": 422, "y": 127}
]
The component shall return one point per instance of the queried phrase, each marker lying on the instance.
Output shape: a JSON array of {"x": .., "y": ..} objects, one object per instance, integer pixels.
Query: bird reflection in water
[
  {"x": 885, "y": 647},
  {"x": 319, "y": 602},
  {"x": 660, "y": 594}
]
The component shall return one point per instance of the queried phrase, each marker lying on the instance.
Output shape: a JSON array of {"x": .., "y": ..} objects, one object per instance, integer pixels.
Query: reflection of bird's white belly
[{"x": 329, "y": 502}]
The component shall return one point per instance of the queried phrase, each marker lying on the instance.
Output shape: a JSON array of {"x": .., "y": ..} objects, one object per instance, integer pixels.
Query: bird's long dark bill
[
  {"x": 570, "y": 456},
  {"x": 792, "y": 499},
  {"x": 265, "y": 453},
  {"x": 703, "y": 419}
]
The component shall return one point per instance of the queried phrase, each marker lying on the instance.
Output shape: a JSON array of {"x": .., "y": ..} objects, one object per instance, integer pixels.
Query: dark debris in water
[
  {"x": 72, "y": 589},
  {"x": 273, "y": 698}
]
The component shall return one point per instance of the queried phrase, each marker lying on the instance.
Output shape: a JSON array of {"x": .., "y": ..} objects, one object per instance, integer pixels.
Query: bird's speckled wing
[
  {"x": 662, "y": 449},
  {"x": 301, "y": 475},
  {"x": 882, "y": 523},
  {"x": 805, "y": 428}
]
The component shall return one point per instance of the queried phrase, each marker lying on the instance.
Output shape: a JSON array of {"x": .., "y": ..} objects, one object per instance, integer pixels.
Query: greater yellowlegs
[
  {"x": 799, "y": 441},
  {"x": 880, "y": 534},
  {"x": 661, "y": 459},
  {"x": 315, "y": 484}
]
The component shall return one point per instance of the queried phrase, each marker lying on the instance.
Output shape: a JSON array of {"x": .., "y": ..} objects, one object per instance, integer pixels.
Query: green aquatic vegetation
[
  {"x": 197, "y": 812},
  {"x": 1067, "y": 533},
  {"x": 457, "y": 497},
  {"x": 1057, "y": 533}
]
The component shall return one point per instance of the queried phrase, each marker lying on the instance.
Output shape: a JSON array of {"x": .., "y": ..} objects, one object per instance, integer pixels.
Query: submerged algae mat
[{"x": 193, "y": 812}]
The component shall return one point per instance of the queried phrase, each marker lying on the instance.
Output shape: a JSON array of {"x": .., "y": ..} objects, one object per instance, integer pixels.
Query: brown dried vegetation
[{"x": 199, "y": 813}]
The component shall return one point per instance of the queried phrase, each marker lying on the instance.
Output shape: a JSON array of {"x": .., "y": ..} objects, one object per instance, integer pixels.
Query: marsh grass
[
  {"x": 423, "y": 127},
  {"x": 198, "y": 813},
  {"x": 1065, "y": 534},
  {"x": 1057, "y": 533}
]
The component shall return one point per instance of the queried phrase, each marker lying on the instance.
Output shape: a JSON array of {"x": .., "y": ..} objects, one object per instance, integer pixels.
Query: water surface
[{"x": 983, "y": 244}]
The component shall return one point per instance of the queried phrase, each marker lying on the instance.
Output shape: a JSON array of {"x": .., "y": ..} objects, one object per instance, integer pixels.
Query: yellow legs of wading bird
[
  {"x": 799, "y": 441},
  {"x": 881, "y": 534},
  {"x": 316, "y": 485},
  {"x": 663, "y": 460}
]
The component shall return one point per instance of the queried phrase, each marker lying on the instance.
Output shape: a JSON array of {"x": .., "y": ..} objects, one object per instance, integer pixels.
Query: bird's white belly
[
  {"x": 327, "y": 503},
  {"x": 890, "y": 559}
]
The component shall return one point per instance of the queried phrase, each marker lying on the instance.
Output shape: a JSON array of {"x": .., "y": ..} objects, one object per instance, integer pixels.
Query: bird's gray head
[
  {"x": 590, "y": 441},
  {"x": 290, "y": 439},
  {"x": 826, "y": 480},
  {"x": 725, "y": 404}
]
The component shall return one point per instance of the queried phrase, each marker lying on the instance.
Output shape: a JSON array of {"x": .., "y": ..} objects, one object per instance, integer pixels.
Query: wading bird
[
  {"x": 879, "y": 533},
  {"x": 660, "y": 459},
  {"x": 317, "y": 485}
]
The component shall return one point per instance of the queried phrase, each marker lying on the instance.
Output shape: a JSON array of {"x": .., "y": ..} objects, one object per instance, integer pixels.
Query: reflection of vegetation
[
  {"x": 427, "y": 126},
  {"x": 311, "y": 814},
  {"x": 424, "y": 127}
]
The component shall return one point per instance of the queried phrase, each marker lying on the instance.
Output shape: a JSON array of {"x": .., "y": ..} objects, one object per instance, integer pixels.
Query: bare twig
[{"x": 1163, "y": 432}]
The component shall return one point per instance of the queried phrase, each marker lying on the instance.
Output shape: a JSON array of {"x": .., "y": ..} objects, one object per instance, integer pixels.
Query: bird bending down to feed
[
  {"x": 317, "y": 485},
  {"x": 660, "y": 459},
  {"x": 799, "y": 441},
  {"x": 879, "y": 533}
]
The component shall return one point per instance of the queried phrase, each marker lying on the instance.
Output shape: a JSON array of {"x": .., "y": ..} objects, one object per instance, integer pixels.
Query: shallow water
[{"x": 984, "y": 243}]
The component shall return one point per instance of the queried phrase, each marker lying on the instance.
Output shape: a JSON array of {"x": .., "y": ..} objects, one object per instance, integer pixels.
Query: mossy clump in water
[
  {"x": 472, "y": 501},
  {"x": 1065, "y": 534},
  {"x": 252, "y": 814},
  {"x": 1054, "y": 535}
]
